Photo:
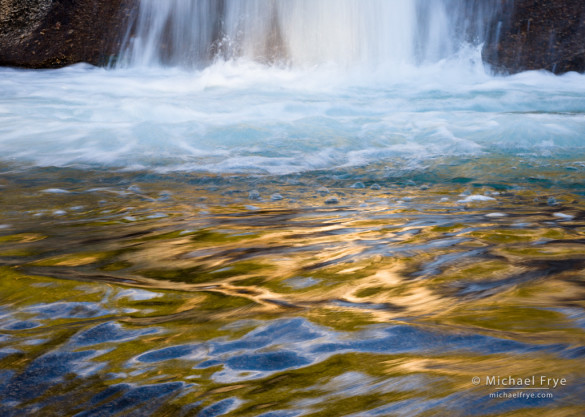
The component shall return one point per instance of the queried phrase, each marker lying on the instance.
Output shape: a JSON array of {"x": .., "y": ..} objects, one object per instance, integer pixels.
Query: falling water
[{"x": 305, "y": 32}]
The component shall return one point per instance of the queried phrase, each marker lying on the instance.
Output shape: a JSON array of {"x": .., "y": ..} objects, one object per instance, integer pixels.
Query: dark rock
[
  {"x": 538, "y": 34},
  {"x": 55, "y": 33}
]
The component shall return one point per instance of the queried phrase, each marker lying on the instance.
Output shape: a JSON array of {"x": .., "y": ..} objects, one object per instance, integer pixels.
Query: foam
[{"x": 242, "y": 116}]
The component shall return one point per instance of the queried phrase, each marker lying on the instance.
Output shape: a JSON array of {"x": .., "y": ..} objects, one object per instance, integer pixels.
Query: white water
[
  {"x": 242, "y": 116},
  {"x": 394, "y": 94},
  {"x": 304, "y": 33}
]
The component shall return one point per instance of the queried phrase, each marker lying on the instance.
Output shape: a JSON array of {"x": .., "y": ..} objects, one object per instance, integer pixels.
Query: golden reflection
[{"x": 393, "y": 294}]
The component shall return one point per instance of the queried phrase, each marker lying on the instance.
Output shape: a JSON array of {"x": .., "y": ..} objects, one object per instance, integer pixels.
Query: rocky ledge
[{"x": 55, "y": 33}]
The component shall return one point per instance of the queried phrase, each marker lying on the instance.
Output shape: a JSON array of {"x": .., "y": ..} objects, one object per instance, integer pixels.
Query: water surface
[{"x": 347, "y": 292}]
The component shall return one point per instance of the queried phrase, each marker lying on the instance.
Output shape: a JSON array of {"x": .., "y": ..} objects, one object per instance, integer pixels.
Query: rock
[
  {"x": 538, "y": 34},
  {"x": 55, "y": 33}
]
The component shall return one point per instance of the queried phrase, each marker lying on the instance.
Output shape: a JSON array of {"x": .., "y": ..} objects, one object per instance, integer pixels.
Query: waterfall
[{"x": 193, "y": 33}]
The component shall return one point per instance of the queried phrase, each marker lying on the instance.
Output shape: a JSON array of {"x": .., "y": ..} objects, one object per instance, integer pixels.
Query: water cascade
[{"x": 305, "y": 32}]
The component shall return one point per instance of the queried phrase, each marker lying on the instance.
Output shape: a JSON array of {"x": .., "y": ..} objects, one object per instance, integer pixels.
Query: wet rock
[
  {"x": 55, "y": 33},
  {"x": 538, "y": 34}
]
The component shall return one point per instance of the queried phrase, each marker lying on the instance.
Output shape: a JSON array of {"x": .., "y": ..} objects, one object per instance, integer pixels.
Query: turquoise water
[{"x": 246, "y": 117}]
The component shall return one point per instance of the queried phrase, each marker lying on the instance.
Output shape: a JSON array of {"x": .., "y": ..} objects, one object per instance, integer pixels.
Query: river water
[{"x": 292, "y": 237}]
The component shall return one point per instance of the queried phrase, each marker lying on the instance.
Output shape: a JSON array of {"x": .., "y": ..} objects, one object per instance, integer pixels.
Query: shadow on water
[{"x": 383, "y": 294}]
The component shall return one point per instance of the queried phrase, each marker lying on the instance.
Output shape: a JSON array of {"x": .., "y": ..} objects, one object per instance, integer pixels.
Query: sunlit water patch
[{"x": 376, "y": 291}]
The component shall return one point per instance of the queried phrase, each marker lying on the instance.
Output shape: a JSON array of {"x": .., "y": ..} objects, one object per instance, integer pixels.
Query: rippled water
[{"x": 379, "y": 291}]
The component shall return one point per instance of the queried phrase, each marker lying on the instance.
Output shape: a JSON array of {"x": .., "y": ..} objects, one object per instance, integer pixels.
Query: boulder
[
  {"x": 536, "y": 35},
  {"x": 55, "y": 33}
]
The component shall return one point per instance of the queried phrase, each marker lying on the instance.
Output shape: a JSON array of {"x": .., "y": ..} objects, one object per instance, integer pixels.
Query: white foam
[
  {"x": 496, "y": 215},
  {"x": 241, "y": 116},
  {"x": 476, "y": 198},
  {"x": 563, "y": 216},
  {"x": 55, "y": 191}
]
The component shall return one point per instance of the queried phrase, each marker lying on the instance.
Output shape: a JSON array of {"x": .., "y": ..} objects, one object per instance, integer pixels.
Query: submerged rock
[
  {"x": 538, "y": 34},
  {"x": 55, "y": 33}
]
